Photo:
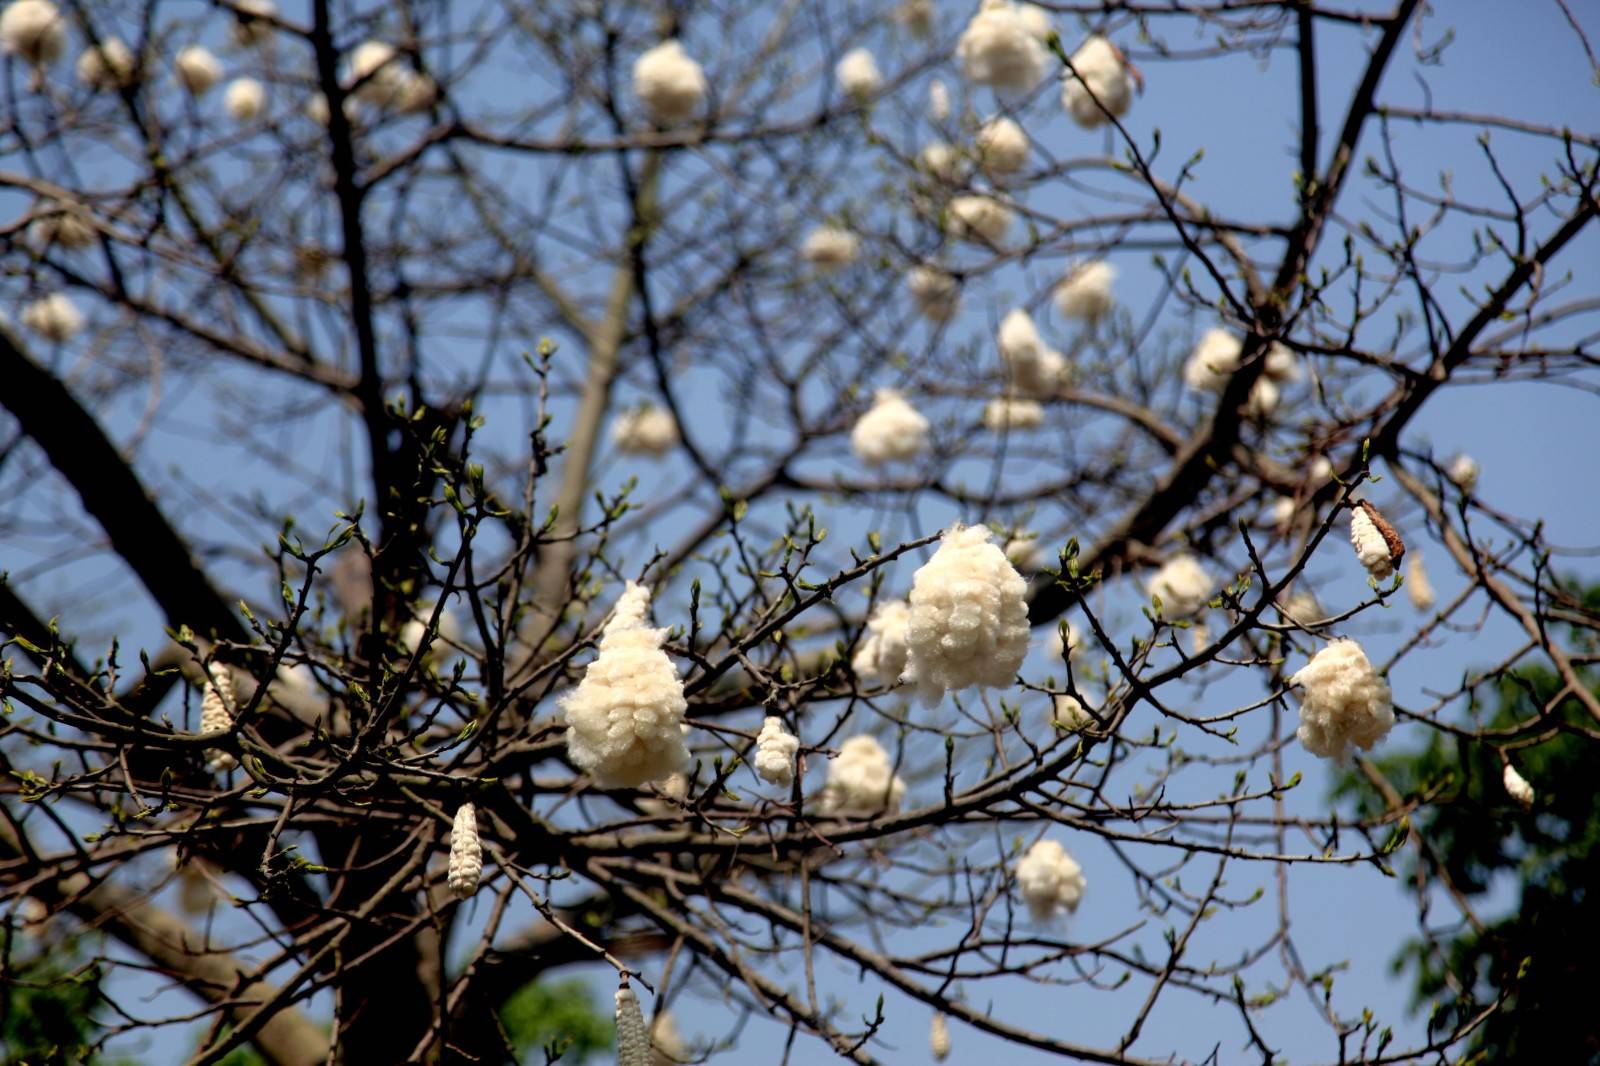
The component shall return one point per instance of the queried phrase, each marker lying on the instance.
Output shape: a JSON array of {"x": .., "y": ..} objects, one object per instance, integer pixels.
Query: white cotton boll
[
  {"x": 1302, "y": 608},
  {"x": 1321, "y": 469},
  {"x": 53, "y": 317},
  {"x": 667, "y": 1047},
  {"x": 317, "y": 109},
  {"x": 1464, "y": 473},
  {"x": 633, "y": 1039},
  {"x": 416, "y": 92},
  {"x": 1263, "y": 399},
  {"x": 245, "y": 99},
  {"x": 1085, "y": 292},
  {"x": 943, "y": 162},
  {"x": 861, "y": 781},
  {"x": 998, "y": 48},
  {"x": 882, "y": 654},
  {"x": 107, "y": 67},
  {"x": 857, "y": 73},
  {"x": 1343, "y": 701},
  {"x": 1378, "y": 547},
  {"x": 1054, "y": 646},
  {"x": 1023, "y": 551},
  {"x": 466, "y": 853},
  {"x": 647, "y": 430},
  {"x": 969, "y": 617},
  {"x": 1068, "y": 713},
  {"x": 250, "y": 30},
  {"x": 936, "y": 294},
  {"x": 890, "y": 431},
  {"x": 1034, "y": 368},
  {"x": 1281, "y": 365},
  {"x": 377, "y": 74},
  {"x": 625, "y": 718},
  {"x": 197, "y": 70},
  {"x": 1517, "y": 786},
  {"x": 939, "y": 1038},
  {"x": 775, "y": 752},
  {"x": 1419, "y": 590},
  {"x": 1281, "y": 511},
  {"x": 415, "y": 630},
  {"x": 216, "y": 716},
  {"x": 34, "y": 31},
  {"x": 669, "y": 83},
  {"x": 1102, "y": 74},
  {"x": 1002, "y": 146},
  {"x": 978, "y": 218},
  {"x": 63, "y": 225},
  {"x": 830, "y": 247},
  {"x": 938, "y": 101},
  {"x": 1212, "y": 362},
  {"x": 1182, "y": 585},
  {"x": 1050, "y": 880},
  {"x": 1036, "y": 19},
  {"x": 1006, "y": 412},
  {"x": 916, "y": 16}
]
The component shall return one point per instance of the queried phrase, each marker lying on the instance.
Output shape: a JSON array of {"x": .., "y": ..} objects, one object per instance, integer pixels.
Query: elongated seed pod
[
  {"x": 633, "y": 1039},
  {"x": 216, "y": 716},
  {"x": 466, "y": 853}
]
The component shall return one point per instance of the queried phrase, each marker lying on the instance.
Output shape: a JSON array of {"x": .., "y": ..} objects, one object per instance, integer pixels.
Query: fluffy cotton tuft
[
  {"x": 64, "y": 225},
  {"x": 891, "y": 431},
  {"x": 1023, "y": 551},
  {"x": 1419, "y": 590},
  {"x": 1069, "y": 713},
  {"x": 1517, "y": 786},
  {"x": 34, "y": 31},
  {"x": 858, "y": 74},
  {"x": 1216, "y": 357},
  {"x": 1182, "y": 585},
  {"x": 1102, "y": 74},
  {"x": 669, "y": 83},
  {"x": 1343, "y": 701},
  {"x": 999, "y": 48},
  {"x": 1263, "y": 398},
  {"x": 667, "y": 1047},
  {"x": 939, "y": 1038},
  {"x": 53, "y": 317},
  {"x": 775, "y": 752},
  {"x": 1034, "y": 368},
  {"x": 1037, "y": 19},
  {"x": 376, "y": 74},
  {"x": 1301, "y": 608},
  {"x": 1049, "y": 880},
  {"x": 943, "y": 162},
  {"x": 830, "y": 247},
  {"x": 197, "y": 70},
  {"x": 216, "y": 716},
  {"x": 624, "y": 718},
  {"x": 647, "y": 430},
  {"x": 882, "y": 654},
  {"x": 107, "y": 67},
  {"x": 978, "y": 218},
  {"x": 1464, "y": 473},
  {"x": 245, "y": 99},
  {"x": 861, "y": 781},
  {"x": 938, "y": 100},
  {"x": 1377, "y": 545},
  {"x": 1085, "y": 292},
  {"x": 466, "y": 853},
  {"x": 633, "y": 1039},
  {"x": 969, "y": 617},
  {"x": 1002, "y": 146},
  {"x": 250, "y": 30},
  {"x": 936, "y": 294},
  {"x": 1007, "y": 412}
]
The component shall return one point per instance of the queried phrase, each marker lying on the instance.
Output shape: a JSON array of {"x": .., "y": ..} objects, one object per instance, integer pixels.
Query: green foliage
[
  {"x": 1541, "y": 956},
  {"x": 47, "y": 1008},
  {"x": 559, "y": 1015}
]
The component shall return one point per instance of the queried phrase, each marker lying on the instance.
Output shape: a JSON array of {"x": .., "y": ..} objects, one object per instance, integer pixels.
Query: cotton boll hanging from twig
[
  {"x": 830, "y": 247},
  {"x": 881, "y": 656},
  {"x": 998, "y": 48},
  {"x": 1464, "y": 473},
  {"x": 1102, "y": 84},
  {"x": 633, "y": 1039},
  {"x": 1069, "y": 714},
  {"x": 1008, "y": 413},
  {"x": 890, "y": 431},
  {"x": 775, "y": 753},
  {"x": 245, "y": 99},
  {"x": 646, "y": 430},
  {"x": 34, "y": 31},
  {"x": 943, "y": 162},
  {"x": 936, "y": 294},
  {"x": 1085, "y": 292},
  {"x": 1343, "y": 701},
  {"x": 1182, "y": 585},
  {"x": 669, "y": 83},
  {"x": 978, "y": 218},
  {"x": 61, "y": 225},
  {"x": 969, "y": 617},
  {"x": 1419, "y": 590},
  {"x": 1517, "y": 787},
  {"x": 861, "y": 781},
  {"x": 466, "y": 853},
  {"x": 1050, "y": 880},
  {"x": 1023, "y": 551},
  {"x": 106, "y": 67},
  {"x": 938, "y": 100},
  {"x": 54, "y": 317},
  {"x": 1378, "y": 547},
  {"x": 1002, "y": 146},
  {"x": 857, "y": 74},
  {"x": 939, "y": 1038},
  {"x": 197, "y": 70},
  {"x": 216, "y": 715}
]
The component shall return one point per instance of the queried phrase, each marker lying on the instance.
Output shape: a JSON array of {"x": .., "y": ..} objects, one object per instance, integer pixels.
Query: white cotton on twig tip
[
  {"x": 466, "y": 853},
  {"x": 1378, "y": 547},
  {"x": 1008, "y": 413},
  {"x": 1218, "y": 354},
  {"x": 1464, "y": 473},
  {"x": 969, "y": 617},
  {"x": 857, "y": 73},
  {"x": 775, "y": 752},
  {"x": 936, "y": 294},
  {"x": 861, "y": 781},
  {"x": 938, "y": 100},
  {"x": 250, "y": 28},
  {"x": 633, "y": 1039},
  {"x": 106, "y": 67},
  {"x": 646, "y": 430},
  {"x": 881, "y": 656},
  {"x": 1517, "y": 786},
  {"x": 1069, "y": 714},
  {"x": 1182, "y": 585},
  {"x": 1049, "y": 880},
  {"x": 216, "y": 715},
  {"x": 667, "y": 1047},
  {"x": 978, "y": 218},
  {"x": 197, "y": 70},
  {"x": 1343, "y": 701},
  {"x": 54, "y": 317},
  {"x": 830, "y": 247},
  {"x": 34, "y": 31},
  {"x": 1002, "y": 146},
  {"x": 942, "y": 161},
  {"x": 625, "y": 718},
  {"x": 1023, "y": 551},
  {"x": 1419, "y": 590},
  {"x": 999, "y": 48},
  {"x": 669, "y": 83},
  {"x": 62, "y": 225},
  {"x": 1101, "y": 86},
  {"x": 939, "y": 1038},
  {"x": 1085, "y": 292},
  {"x": 1034, "y": 368},
  {"x": 245, "y": 99},
  {"x": 890, "y": 431}
]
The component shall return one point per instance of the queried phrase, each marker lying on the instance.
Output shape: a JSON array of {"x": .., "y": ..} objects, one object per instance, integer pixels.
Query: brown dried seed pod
[{"x": 1397, "y": 547}]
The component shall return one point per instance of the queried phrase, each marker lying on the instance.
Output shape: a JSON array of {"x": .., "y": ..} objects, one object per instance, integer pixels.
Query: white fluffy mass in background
[
  {"x": 53, "y": 317},
  {"x": 1002, "y": 146},
  {"x": 939, "y": 1038},
  {"x": 625, "y": 718},
  {"x": 1007, "y": 412},
  {"x": 890, "y": 431},
  {"x": 216, "y": 715},
  {"x": 1517, "y": 786},
  {"x": 1102, "y": 75},
  {"x": 669, "y": 83},
  {"x": 861, "y": 781},
  {"x": 107, "y": 67},
  {"x": 1024, "y": 551},
  {"x": 34, "y": 31},
  {"x": 1216, "y": 356},
  {"x": 1034, "y": 368},
  {"x": 881, "y": 656},
  {"x": 63, "y": 225},
  {"x": 1182, "y": 585},
  {"x": 1069, "y": 713},
  {"x": 830, "y": 247},
  {"x": 1049, "y": 880},
  {"x": 938, "y": 100},
  {"x": 978, "y": 218},
  {"x": 197, "y": 70},
  {"x": 1343, "y": 701},
  {"x": 244, "y": 99},
  {"x": 1419, "y": 590},
  {"x": 1084, "y": 292},
  {"x": 969, "y": 617},
  {"x": 466, "y": 853},
  {"x": 857, "y": 72},
  {"x": 251, "y": 32},
  {"x": 1464, "y": 472},
  {"x": 775, "y": 752},
  {"x": 646, "y": 430},
  {"x": 936, "y": 294},
  {"x": 999, "y": 48}
]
